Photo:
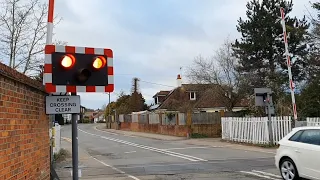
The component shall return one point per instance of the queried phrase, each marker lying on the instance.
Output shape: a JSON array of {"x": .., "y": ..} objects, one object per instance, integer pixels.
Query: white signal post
[{"x": 291, "y": 83}]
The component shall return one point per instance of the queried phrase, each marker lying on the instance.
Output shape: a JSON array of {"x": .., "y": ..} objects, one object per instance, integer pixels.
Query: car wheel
[{"x": 288, "y": 170}]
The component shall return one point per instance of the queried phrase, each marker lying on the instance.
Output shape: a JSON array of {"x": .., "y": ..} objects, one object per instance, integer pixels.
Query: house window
[
  {"x": 192, "y": 95},
  {"x": 156, "y": 100}
]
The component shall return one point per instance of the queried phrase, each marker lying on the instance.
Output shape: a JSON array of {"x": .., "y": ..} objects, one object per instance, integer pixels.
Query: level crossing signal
[{"x": 78, "y": 69}]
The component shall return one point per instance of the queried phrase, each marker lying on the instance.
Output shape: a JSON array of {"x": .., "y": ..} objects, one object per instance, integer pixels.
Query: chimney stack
[{"x": 179, "y": 80}]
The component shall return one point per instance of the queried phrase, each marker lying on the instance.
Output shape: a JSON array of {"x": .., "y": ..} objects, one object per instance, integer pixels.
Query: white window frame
[
  {"x": 157, "y": 100},
  {"x": 194, "y": 98}
]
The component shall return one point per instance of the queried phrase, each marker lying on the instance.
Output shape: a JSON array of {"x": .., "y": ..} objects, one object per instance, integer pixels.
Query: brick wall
[
  {"x": 212, "y": 129},
  {"x": 173, "y": 130},
  {"x": 209, "y": 130},
  {"x": 24, "y": 128}
]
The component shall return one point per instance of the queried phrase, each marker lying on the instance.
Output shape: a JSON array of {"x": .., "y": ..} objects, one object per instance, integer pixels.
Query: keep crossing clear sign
[{"x": 62, "y": 104}]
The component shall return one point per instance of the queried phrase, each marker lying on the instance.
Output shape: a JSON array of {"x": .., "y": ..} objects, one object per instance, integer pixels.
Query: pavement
[{"x": 113, "y": 154}]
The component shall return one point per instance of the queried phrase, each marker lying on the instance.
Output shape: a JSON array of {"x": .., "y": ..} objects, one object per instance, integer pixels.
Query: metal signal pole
[{"x": 74, "y": 116}]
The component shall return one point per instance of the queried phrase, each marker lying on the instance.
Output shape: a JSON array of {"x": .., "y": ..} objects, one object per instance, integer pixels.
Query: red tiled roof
[
  {"x": 207, "y": 96},
  {"x": 98, "y": 114}
]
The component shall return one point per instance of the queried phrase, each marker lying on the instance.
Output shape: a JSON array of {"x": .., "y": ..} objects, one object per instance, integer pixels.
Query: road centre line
[
  {"x": 170, "y": 153},
  {"x": 232, "y": 146},
  {"x": 152, "y": 148}
]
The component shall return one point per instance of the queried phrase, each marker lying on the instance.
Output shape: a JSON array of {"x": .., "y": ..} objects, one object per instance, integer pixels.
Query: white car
[{"x": 298, "y": 155}]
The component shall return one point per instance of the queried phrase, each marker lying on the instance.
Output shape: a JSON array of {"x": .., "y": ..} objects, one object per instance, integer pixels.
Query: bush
[
  {"x": 61, "y": 155},
  {"x": 85, "y": 120},
  {"x": 197, "y": 135}
]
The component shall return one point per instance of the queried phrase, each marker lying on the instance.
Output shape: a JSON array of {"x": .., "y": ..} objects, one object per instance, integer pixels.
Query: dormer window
[{"x": 192, "y": 95}]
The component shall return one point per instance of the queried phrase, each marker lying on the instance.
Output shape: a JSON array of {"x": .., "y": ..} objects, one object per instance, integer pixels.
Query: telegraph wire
[{"x": 157, "y": 83}]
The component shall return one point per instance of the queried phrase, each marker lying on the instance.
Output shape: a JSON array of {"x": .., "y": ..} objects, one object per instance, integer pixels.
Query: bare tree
[
  {"x": 315, "y": 20},
  {"x": 220, "y": 70},
  {"x": 22, "y": 34}
]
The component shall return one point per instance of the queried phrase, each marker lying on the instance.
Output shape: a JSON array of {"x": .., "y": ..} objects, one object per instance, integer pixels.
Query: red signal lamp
[
  {"x": 68, "y": 61},
  {"x": 99, "y": 62}
]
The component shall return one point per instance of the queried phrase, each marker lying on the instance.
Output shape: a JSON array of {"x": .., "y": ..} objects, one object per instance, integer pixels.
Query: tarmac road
[{"x": 105, "y": 155}]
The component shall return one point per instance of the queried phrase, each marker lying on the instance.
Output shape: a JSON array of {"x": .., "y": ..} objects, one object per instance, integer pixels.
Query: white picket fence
[
  {"x": 254, "y": 129},
  {"x": 315, "y": 121}
]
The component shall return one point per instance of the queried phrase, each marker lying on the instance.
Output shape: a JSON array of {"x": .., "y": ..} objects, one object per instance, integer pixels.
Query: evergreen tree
[
  {"x": 136, "y": 102},
  {"x": 316, "y": 22},
  {"x": 122, "y": 105},
  {"x": 309, "y": 100},
  {"x": 261, "y": 49}
]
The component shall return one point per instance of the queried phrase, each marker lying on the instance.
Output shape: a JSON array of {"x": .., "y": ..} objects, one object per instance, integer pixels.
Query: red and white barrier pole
[
  {"x": 50, "y": 22},
  {"x": 291, "y": 84},
  {"x": 49, "y": 29}
]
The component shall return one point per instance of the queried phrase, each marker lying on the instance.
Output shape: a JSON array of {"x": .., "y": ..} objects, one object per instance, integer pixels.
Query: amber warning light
[
  {"x": 99, "y": 62},
  {"x": 67, "y": 61}
]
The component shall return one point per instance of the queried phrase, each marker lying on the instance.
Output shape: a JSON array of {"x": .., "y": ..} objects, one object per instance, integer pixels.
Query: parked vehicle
[{"x": 298, "y": 155}]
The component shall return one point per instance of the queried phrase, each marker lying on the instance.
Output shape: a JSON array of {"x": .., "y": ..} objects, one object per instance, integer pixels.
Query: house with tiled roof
[
  {"x": 160, "y": 96},
  {"x": 99, "y": 116},
  {"x": 198, "y": 97}
]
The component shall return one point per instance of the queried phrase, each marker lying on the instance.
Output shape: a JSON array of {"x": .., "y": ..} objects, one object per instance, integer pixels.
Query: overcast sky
[{"x": 151, "y": 39}]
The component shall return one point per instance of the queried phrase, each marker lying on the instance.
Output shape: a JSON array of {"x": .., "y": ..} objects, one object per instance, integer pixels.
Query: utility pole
[{"x": 135, "y": 99}]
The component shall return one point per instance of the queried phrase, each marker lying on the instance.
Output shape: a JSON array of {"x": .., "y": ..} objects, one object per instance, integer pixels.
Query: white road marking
[
  {"x": 105, "y": 131},
  {"x": 130, "y": 152},
  {"x": 156, "y": 150},
  {"x": 116, "y": 169},
  {"x": 266, "y": 173},
  {"x": 190, "y": 148},
  {"x": 259, "y": 174},
  {"x": 66, "y": 139},
  {"x": 129, "y": 136},
  {"x": 112, "y": 133},
  {"x": 170, "y": 153}
]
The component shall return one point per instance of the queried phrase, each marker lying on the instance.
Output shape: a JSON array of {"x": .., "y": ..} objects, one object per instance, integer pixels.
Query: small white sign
[
  {"x": 62, "y": 104},
  {"x": 79, "y": 173}
]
